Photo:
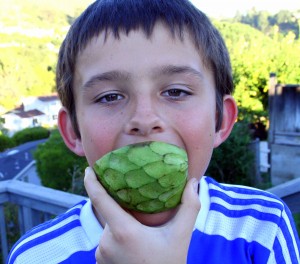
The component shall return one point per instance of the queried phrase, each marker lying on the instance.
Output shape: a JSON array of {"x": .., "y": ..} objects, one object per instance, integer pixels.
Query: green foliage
[
  {"x": 32, "y": 61},
  {"x": 32, "y": 31},
  {"x": 254, "y": 56},
  {"x": 3, "y": 131},
  {"x": 56, "y": 165},
  {"x": 30, "y": 134},
  {"x": 286, "y": 21},
  {"x": 297, "y": 222},
  {"x": 30, "y": 35},
  {"x": 233, "y": 162},
  {"x": 6, "y": 142},
  {"x": 259, "y": 43},
  {"x": 12, "y": 226}
]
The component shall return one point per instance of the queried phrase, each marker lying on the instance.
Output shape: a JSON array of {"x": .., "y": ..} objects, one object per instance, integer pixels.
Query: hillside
[
  {"x": 31, "y": 32},
  {"x": 30, "y": 35}
]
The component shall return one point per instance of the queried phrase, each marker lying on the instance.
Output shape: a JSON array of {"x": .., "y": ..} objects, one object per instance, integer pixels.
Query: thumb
[{"x": 188, "y": 210}]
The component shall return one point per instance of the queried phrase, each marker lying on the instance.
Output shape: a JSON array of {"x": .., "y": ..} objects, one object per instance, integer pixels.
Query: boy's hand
[{"x": 125, "y": 240}]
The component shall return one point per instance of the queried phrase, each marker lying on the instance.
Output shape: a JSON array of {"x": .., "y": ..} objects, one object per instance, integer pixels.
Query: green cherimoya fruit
[{"x": 148, "y": 177}]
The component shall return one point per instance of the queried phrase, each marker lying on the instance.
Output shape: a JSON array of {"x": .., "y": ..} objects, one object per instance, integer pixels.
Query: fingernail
[{"x": 87, "y": 170}]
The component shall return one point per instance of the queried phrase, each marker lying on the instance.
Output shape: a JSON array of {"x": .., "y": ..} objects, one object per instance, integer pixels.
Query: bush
[
  {"x": 297, "y": 221},
  {"x": 6, "y": 142},
  {"x": 30, "y": 134},
  {"x": 233, "y": 162},
  {"x": 57, "y": 166}
]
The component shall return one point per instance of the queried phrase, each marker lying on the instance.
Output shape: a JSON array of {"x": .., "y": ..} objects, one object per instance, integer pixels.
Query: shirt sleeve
[{"x": 286, "y": 245}]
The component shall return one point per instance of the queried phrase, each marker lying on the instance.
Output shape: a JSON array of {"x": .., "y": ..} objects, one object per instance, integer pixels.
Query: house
[{"x": 34, "y": 111}]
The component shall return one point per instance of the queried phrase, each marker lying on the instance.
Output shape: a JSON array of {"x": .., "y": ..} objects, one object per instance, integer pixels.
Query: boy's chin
[{"x": 156, "y": 219}]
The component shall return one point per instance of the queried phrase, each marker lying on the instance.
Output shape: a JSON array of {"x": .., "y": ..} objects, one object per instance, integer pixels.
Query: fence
[{"x": 35, "y": 203}]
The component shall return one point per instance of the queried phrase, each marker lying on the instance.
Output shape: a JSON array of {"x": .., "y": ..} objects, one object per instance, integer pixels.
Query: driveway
[{"x": 14, "y": 160}]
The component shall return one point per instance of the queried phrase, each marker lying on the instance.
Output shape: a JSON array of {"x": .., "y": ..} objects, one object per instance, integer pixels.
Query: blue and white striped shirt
[{"x": 236, "y": 224}]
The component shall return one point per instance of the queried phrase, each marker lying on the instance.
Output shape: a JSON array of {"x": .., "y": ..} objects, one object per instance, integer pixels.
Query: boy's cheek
[
  {"x": 94, "y": 150},
  {"x": 199, "y": 158}
]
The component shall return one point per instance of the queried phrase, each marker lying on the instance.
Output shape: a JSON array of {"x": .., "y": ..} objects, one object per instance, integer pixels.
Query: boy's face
[{"x": 135, "y": 89}]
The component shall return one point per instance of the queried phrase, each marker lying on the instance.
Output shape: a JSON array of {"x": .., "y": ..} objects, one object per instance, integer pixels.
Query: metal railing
[
  {"x": 37, "y": 204},
  {"x": 289, "y": 192}
]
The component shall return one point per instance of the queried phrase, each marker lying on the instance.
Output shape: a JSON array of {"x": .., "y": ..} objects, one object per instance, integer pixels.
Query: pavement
[{"x": 17, "y": 160}]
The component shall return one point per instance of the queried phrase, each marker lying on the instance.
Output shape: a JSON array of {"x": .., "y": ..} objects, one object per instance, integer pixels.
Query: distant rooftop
[
  {"x": 30, "y": 113},
  {"x": 48, "y": 98},
  {"x": 20, "y": 110}
]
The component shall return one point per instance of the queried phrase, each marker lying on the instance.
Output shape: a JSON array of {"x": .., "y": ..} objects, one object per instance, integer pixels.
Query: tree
[
  {"x": 57, "y": 166},
  {"x": 234, "y": 151},
  {"x": 30, "y": 134},
  {"x": 254, "y": 55},
  {"x": 5, "y": 142},
  {"x": 285, "y": 20}
]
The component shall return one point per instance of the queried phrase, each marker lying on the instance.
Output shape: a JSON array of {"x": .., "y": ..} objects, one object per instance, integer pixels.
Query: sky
[{"x": 228, "y": 8}]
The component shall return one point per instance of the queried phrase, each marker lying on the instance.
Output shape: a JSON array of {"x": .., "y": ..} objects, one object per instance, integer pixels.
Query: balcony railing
[
  {"x": 289, "y": 192},
  {"x": 37, "y": 204}
]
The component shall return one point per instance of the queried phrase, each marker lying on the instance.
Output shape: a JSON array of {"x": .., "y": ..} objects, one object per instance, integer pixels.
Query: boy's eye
[
  {"x": 175, "y": 93},
  {"x": 108, "y": 98}
]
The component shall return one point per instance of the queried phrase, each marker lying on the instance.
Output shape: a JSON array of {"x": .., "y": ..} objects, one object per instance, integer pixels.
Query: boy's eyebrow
[
  {"x": 116, "y": 75},
  {"x": 176, "y": 69},
  {"x": 107, "y": 76}
]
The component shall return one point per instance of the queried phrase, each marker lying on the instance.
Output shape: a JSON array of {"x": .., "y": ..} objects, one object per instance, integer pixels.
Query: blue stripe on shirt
[
  {"x": 245, "y": 212},
  {"x": 288, "y": 238},
  {"x": 81, "y": 257},
  {"x": 293, "y": 226},
  {"x": 240, "y": 201},
  {"x": 73, "y": 211},
  {"x": 43, "y": 238},
  {"x": 215, "y": 249},
  {"x": 278, "y": 252},
  {"x": 240, "y": 189}
]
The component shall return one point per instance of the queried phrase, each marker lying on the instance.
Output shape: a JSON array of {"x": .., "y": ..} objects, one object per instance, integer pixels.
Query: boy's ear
[
  {"x": 229, "y": 117},
  {"x": 72, "y": 141}
]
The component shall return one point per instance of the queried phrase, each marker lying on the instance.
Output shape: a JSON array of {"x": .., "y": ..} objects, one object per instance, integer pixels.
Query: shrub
[
  {"x": 297, "y": 221},
  {"x": 6, "y": 142},
  {"x": 30, "y": 134},
  {"x": 57, "y": 166},
  {"x": 233, "y": 162}
]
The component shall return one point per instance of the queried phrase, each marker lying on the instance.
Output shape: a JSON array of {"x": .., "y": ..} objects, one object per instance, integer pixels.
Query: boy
[{"x": 132, "y": 71}]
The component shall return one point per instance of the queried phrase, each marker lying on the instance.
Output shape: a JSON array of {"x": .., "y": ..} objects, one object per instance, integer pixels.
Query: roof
[
  {"x": 19, "y": 110},
  {"x": 48, "y": 98},
  {"x": 30, "y": 113}
]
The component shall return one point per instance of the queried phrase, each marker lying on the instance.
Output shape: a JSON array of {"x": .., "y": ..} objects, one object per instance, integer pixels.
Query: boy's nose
[{"x": 144, "y": 122}]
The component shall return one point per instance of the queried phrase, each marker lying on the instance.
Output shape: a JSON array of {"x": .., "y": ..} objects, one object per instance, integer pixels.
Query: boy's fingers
[
  {"x": 189, "y": 209},
  {"x": 103, "y": 203},
  {"x": 116, "y": 217}
]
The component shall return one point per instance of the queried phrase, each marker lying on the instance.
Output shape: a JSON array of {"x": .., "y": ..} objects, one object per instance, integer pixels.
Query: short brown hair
[{"x": 125, "y": 15}]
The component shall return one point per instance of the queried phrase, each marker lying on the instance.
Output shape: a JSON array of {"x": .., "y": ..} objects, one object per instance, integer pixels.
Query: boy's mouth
[{"x": 146, "y": 177}]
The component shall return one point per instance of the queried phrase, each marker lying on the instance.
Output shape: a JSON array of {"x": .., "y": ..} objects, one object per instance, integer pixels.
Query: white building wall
[{"x": 15, "y": 123}]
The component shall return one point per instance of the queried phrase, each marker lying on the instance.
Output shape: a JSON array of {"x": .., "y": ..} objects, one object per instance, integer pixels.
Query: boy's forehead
[
  {"x": 135, "y": 55},
  {"x": 160, "y": 30}
]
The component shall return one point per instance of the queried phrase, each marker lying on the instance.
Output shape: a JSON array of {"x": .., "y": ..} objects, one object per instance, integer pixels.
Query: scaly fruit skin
[{"x": 147, "y": 177}]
